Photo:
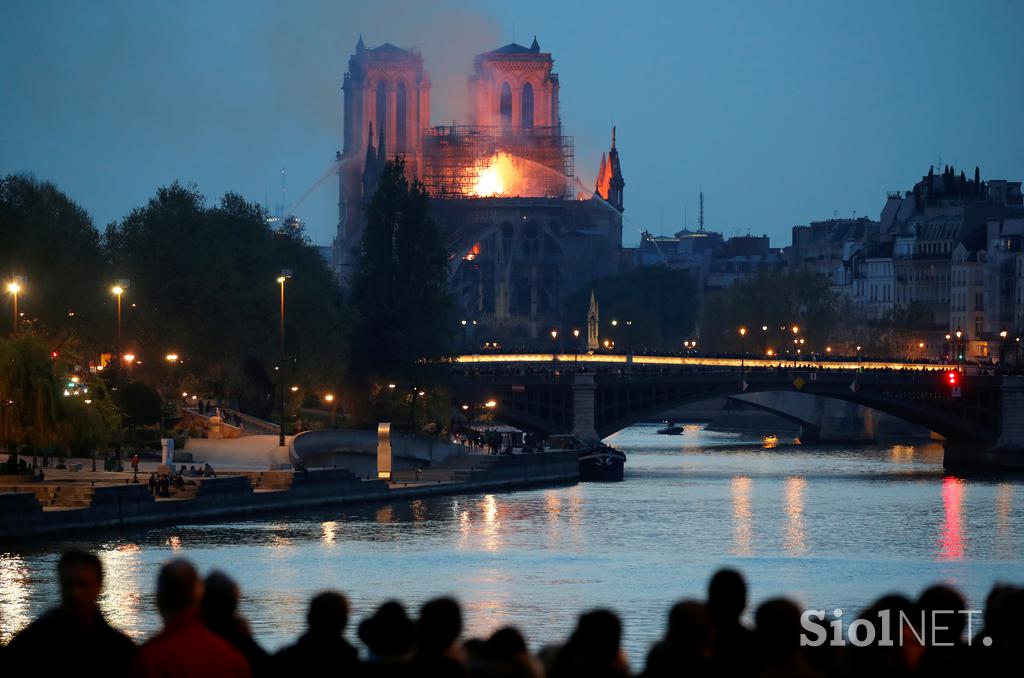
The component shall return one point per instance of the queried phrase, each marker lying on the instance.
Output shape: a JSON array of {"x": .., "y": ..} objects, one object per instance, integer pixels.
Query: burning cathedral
[{"x": 522, "y": 231}]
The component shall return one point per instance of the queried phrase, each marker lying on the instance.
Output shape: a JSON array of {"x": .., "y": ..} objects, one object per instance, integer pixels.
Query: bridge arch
[{"x": 612, "y": 401}]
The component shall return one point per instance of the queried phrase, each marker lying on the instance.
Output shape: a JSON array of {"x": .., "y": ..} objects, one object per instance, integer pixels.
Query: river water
[{"x": 830, "y": 526}]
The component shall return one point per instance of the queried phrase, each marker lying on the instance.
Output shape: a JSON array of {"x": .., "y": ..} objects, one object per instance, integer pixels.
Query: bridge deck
[{"x": 659, "y": 360}]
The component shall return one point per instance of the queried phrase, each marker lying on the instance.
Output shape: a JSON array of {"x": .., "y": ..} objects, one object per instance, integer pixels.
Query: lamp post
[
  {"x": 576, "y": 349},
  {"x": 1002, "y": 346},
  {"x": 743, "y": 348},
  {"x": 117, "y": 290},
  {"x": 959, "y": 348},
  {"x": 14, "y": 287},
  {"x": 329, "y": 399},
  {"x": 285, "y": 275},
  {"x": 949, "y": 348},
  {"x": 554, "y": 347}
]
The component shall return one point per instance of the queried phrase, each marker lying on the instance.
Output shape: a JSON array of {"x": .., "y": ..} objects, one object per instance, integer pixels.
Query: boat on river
[
  {"x": 597, "y": 461},
  {"x": 670, "y": 429}
]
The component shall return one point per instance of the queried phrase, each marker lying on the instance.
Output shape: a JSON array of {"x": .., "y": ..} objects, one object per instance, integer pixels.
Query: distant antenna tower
[
  {"x": 280, "y": 208},
  {"x": 700, "y": 219}
]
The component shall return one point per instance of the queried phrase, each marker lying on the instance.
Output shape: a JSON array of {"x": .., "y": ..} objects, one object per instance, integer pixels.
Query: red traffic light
[
  {"x": 53, "y": 355},
  {"x": 953, "y": 378}
]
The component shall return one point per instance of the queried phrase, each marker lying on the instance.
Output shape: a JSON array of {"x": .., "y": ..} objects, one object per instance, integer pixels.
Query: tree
[
  {"x": 204, "y": 283},
  {"x": 30, "y": 403},
  {"x": 660, "y": 302},
  {"x": 773, "y": 299},
  {"x": 50, "y": 240},
  {"x": 141, "y": 404},
  {"x": 402, "y": 309}
]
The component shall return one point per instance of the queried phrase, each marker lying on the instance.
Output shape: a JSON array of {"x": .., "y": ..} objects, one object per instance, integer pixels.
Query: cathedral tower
[
  {"x": 514, "y": 89},
  {"x": 386, "y": 89}
]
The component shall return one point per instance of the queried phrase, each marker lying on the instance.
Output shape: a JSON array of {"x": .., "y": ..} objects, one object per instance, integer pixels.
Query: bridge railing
[{"x": 585, "y": 360}]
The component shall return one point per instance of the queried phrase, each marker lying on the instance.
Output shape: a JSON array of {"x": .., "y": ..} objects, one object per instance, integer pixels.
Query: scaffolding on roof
[{"x": 455, "y": 155}]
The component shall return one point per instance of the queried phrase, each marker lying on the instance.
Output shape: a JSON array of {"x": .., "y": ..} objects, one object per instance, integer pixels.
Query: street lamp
[
  {"x": 16, "y": 285},
  {"x": 285, "y": 275},
  {"x": 554, "y": 341},
  {"x": 959, "y": 346},
  {"x": 743, "y": 348},
  {"x": 575, "y": 348},
  {"x": 117, "y": 290},
  {"x": 329, "y": 399}
]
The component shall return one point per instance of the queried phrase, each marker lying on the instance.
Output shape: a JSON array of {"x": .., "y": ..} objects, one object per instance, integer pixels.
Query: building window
[
  {"x": 401, "y": 124},
  {"x": 382, "y": 109},
  {"x": 505, "y": 106},
  {"x": 527, "y": 117}
]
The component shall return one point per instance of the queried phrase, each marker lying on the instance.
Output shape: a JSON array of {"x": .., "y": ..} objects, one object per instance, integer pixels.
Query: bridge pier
[
  {"x": 1008, "y": 452},
  {"x": 583, "y": 394}
]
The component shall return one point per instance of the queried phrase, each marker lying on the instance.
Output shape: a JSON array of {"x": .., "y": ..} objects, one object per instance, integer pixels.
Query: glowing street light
[
  {"x": 743, "y": 348},
  {"x": 491, "y": 404},
  {"x": 171, "y": 357},
  {"x": 118, "y": 291},
  {"x": 13, "y": 288},
  {"x": 329, "y": 397},
  {"x": 285, "y": 275}
]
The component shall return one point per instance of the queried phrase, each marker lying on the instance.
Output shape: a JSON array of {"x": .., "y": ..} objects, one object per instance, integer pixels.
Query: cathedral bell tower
[{"x": 386, "y": 90}]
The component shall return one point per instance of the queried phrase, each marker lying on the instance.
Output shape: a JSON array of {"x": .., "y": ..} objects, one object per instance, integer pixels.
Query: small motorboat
[{"x": 670, "y": 429}]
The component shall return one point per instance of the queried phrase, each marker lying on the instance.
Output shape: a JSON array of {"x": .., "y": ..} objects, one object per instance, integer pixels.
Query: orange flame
[{"x": 500, "y": 178}]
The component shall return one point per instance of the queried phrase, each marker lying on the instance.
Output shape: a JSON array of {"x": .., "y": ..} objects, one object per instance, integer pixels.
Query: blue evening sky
[{"x": 781, "y": 112}]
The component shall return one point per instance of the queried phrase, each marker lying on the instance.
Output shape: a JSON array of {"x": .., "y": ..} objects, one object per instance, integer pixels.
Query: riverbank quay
[{"x": 102, "y": 501}]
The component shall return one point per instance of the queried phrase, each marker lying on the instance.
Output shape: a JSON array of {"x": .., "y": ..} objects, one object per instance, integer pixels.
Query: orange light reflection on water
[
  {"x": 743, "y": 531},
  {"x": 795, "y": 542}
]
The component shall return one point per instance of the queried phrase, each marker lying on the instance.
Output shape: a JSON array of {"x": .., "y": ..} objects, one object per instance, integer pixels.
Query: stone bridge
[{"x": 984, "y": 419}]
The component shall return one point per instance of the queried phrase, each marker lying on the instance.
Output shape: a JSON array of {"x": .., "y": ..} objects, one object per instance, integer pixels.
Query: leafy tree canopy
[
  {"x": 49, "y": 240},
  {"x": 659, "y": 302},
  {"x": 400, "y": 288},
  {"x": 773, "y": 299}
]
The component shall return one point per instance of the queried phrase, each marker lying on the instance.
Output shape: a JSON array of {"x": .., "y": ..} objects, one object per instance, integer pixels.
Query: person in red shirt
[{"x": 185, "y": 647}]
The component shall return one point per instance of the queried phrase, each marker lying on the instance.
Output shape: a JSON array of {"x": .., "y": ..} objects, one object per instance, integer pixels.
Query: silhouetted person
[
  {"x": 884, "y": 661},
  {"x": 727, "y": 598},
  {"x": 437, "y": 629},
  {"x": 592, "y": 650},
  {"x": 505, "y": 655},
  {"x": 944, "y": 622},
  {"x": 389, "y": 638},
  {"x": 219, "y": 611},
  {"x": 86, "y": 643},
  {"x": 686, "y": 648},
  {"x": 778, "y": 640},
  {"x": 185, "y": 647},
  {"x": 1004, "y": 627},
  {"x": 321, "y": 649}
]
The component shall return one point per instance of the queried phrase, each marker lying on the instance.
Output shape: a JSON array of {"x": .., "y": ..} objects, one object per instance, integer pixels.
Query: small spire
[
  {"x": 359, "y": 45},
  {"x": 613, "y": 137},
  {"x": 370, "y": 139},
  {"x": 535, "y": 47}
]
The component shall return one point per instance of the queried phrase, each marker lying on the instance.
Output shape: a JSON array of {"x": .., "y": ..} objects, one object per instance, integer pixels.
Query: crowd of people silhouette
[{"x": 204, "y": 634}]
